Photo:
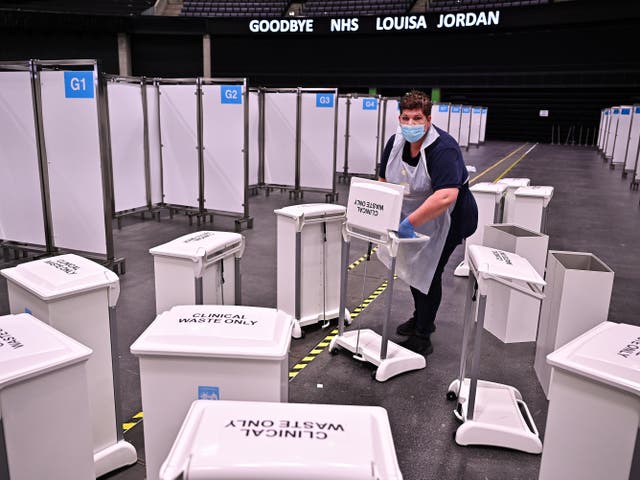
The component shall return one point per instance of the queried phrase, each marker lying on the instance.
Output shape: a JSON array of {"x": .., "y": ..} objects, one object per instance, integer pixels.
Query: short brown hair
[{"x": 416, "y": 99}]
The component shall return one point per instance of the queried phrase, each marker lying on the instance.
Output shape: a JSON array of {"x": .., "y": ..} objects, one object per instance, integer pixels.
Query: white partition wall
[
  {"x": 465, "y": 125},
  {"x": 19, "y": 163},
  {"x": 155, "y": 151},
  {"x": 474, "y": 128},
  {"x": 74, "y": 159},
  {"x": 483, "y": 124},
  {"x": 440, "y": 115},
  {"x": 126, "y": 128},
  {"x": 254, "y": 137},
  {"x": 389, "y": 123},
  {"x": 178, "y": 130},
  {"x": 454, "y": 121},
  {"x": 343, "y": 114},
  {"x": 614, "y": 115},
  {"x": 601, "y": 127},
  {"x": 223, "y": 142},
  {"x": 622, "y": 135},
  {"x": 634, "y": 136},
  {"x": 364, "y": 115},
  {"x": 318, "y": 130},
  {"x": 280, "y": 137},
  {"x": 605, "y": 129}
]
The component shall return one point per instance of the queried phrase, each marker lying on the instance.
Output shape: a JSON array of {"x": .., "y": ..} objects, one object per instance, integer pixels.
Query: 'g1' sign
[
  {"x": 231, "y": 94},
  {"x": 324, "y": 100},
  {"x": 78, "y": 85},
  {"x": 370, "y": 104}
]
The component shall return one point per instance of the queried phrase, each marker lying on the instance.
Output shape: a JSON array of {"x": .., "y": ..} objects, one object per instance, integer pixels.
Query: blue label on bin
[
  {"x": 231, "y": 94},
  {"x": 443, "y": 108},
  {"x": 208, "y": 393},
  {"x": 324, "y": 100},
  {"x": 78, "y": 84},
  {"x": 370, "y": 104}
]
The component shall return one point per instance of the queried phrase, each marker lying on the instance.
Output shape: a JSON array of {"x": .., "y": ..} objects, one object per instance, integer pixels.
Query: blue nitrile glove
[{"x": 406, "y": 230}]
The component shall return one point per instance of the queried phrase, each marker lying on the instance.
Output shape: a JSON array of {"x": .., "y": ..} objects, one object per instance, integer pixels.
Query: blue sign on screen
[
  {"x": 626, "y": 111},
  {"x": 370, "y": 104},
  {"x": 324, "y": 100},
  {"x": 231, "y": 94},
  {"x": 78, "y": 85},
  {"x": 455, "y": 109},
  {"x": 466, "y": 109},
  {"x": 443, "y": 108}
]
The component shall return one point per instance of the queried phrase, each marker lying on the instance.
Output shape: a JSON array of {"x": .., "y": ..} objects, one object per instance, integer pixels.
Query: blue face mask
[{"x": 412, "y": 133}]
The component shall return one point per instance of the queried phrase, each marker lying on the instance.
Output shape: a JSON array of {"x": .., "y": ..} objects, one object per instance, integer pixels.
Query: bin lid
[
  {"x": 488, "y": 187},
  {"x": 198, "y": 245},
  {"x": 282, "y": 441},
  {"x": 507, "y": 265},
  {"x": 312, "y": 211},
  {"x": 217, "y": 331},
  {"x": 515, "y": 182},
  {"x": 64, "y": 275},
  {"x": 535, "y": 191},
  {"x": 608, "y": 353},
  {"x": 30, "y": 347},
  {"x": 374, "y": 206}
]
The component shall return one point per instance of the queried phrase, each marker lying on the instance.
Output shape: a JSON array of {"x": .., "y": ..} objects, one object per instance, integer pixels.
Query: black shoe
[
  {"x": 407, "y": 328},
  {"x": 418, "y": 343}
]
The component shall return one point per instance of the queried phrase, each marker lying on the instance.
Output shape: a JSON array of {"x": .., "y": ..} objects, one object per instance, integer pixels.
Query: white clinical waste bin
[
  {"x": 579, "y": 287},
  {"x": 44, "y": 402},
  {"x": 309, "y": 238},
  {"x": 594, "y": 405},
  {"x": 531, "y": 207},
  {"x": 511, "y": 315},
  {"x": 212, "y": 352},
  {"x": 78, "y": 297},
  {"x": 198, "y": 268},
  {"x": 273, "y": 441},
  {"x": 512, "y": 185},
  {"x": 490, "y": 200}
]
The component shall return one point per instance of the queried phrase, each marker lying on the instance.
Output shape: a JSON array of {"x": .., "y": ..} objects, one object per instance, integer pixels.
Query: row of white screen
[{"x": 619, "y": 135}]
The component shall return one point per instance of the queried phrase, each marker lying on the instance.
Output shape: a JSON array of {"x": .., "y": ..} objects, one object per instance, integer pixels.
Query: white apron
[{"x": 416, "y": 262}]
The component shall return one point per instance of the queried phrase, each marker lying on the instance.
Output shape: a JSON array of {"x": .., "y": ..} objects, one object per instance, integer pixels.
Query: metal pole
[
  {"x": 199, "y": 145},
  {"x": 385, "y": 325},
  {"x": 145, "y": 141},
  {"x": 475, "y": 359},
  {"x": 344, "y": 262},
  {"x": 296, "y": 185}
]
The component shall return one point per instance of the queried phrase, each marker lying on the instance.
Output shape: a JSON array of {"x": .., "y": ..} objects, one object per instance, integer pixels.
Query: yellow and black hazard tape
[
  {"x": 136, "y": 419},
  {"x": 319, "y": 348},
  {"x": 361, "y": 259}
]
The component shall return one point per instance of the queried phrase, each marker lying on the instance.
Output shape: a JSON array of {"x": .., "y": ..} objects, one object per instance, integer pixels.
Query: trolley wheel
[
  {"x": 373, "y": 374},
  {"x": 335, "y": 350},
  {"x": 451, "y": 396}
]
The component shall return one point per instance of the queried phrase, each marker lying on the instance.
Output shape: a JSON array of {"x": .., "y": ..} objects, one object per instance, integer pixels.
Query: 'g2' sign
[
  {"x": 78, "y": 85},
  {"x": 231, "y": 94},
  {"x": 324, "y": 100},
  {"x": 369, "y": 103}
]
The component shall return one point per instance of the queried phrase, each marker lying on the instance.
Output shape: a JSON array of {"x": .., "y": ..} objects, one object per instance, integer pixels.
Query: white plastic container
[
  {"x": 44, "y": 402},
  {"x": 375, "y": 209},
  {"x": 511, "y": 315},
  {"x": 490, "y": 200},
  {"x": 216, "y": 352},
  {"x": 273, "y": 441},
  {"x": 531, "y": 207},
  {"x": 309, "y": 235},
  {"x": 578, "y": 295},
  {"x": 512, "y": 185},
  {"x": 594, "y": 405},
  {"x": 198, "y": 268},
  {"x": 78, "y": 297}
]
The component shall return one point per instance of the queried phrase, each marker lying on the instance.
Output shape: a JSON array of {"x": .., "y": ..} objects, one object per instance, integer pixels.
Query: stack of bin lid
[
  {"x": 29, "y": 347},
  {"x": 608, "y": 353},
  {"x": 282, "y": 441},
  {"x": 64, "y": 275},
  {"x": 219, "y": 331}
]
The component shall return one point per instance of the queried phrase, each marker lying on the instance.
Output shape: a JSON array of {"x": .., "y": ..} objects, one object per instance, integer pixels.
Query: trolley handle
[{"x": 534, "y": 290}]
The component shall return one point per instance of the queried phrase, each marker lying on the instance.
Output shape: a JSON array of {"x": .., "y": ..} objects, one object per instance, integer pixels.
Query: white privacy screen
[
  {"x": 318, "y": 120},
  {"x": 363, "y": 135},
  {"x": 72, "y": 144},
  {"x": 474, "y": 131},
  {"x": 622, "y": 134},
  {"x": 178, "y": 127},
  {"x": 223, "y": 122},
  {"x": 440, "y": 116},
  {"x": 601, "y": 129},
  {"x": 280, "y": 138},
  {"x": 254, "y": 137},
  {"x": 390, "y": 120},
  {"x": 611, "y": 134},
  {"x": 155, "y": 155},
  {"x": 634, "y": 136},
  {"x": 605, "y": 128},
  {"x": 126, "y": 124},
  {"x": 21, "y": 217},
  {"x": 465, "y": 123},
  {"x": 483, "y": 124},
  {"x": 342, "y": 131},
  {"x": 454, "y": 121}
]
